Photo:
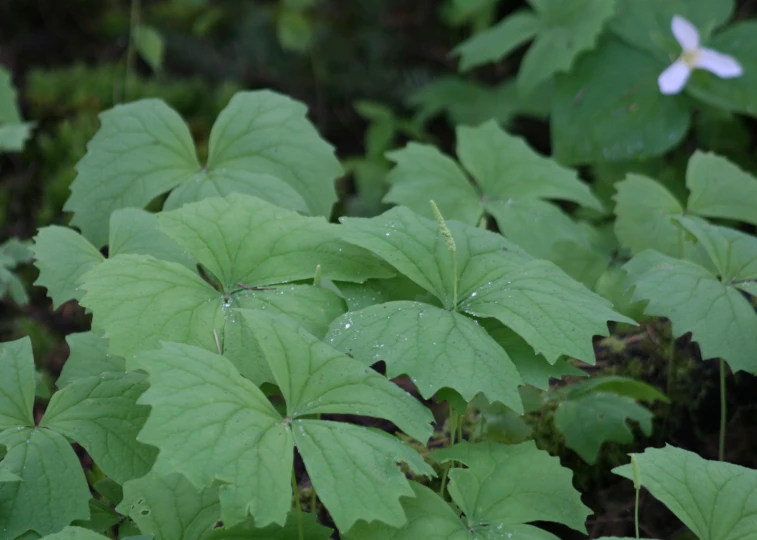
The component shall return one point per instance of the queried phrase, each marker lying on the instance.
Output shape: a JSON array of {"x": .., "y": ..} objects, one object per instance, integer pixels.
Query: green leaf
[
  {"x": 429, "y": 516},
  {"x": 171, "y": 507},
  {"x": 142, "y": 149},
  {"x": 150, "y": 46},
  {"x": 589, "y": 420},
  {"x": 343, "y": 385},
  {"x": 261, "y": 144},
  {"x": 434, "y": 347},
  {"x": 135, "y": 231},
  {"x": 7, "y": 476},
  {"x": 621, "y": 114},
  {"x": 700, "y": 493},
  {"x": 645, "y": 24},
  {"x": 506, "y": 171},
  {"x": 422, "y": 172},
  {"x": 13, "y": 132},
  {"x": 101, "y": 517},
  {"x": 538, "y": 488},
  {"x": 720, "y": 189},
  {"x": 532, "y": 298},
  {"x": 294, "y": 30},
  {"x": 311, "y": 529},
  {"x": 52, "y": 492},
  {"x": 616, "y": 384},
  {"x": 101, "y": 414},
  {"x": 75, "y": 533},
  {"x": 14, "y": 136},
  {"x": 63, "y": 257},
  {"x": 377, "y": 291},
  {"x": 16, "y": 384},
  {"x": 735, "y": 94},
  {"x": 498, "y": 41},
  {"x": 211, "y": 424},
  {"x": 88, "y": 357},
  {"x": 718, "y": 316},
  {"x": 568, "y": 29},
  {"x": 242, "y": 239}
]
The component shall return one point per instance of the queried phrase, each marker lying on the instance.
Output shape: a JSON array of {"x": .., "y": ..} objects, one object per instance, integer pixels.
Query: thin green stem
[
  {"x": 454, "y": 280},
  {"x": 636, "y": 514},
  {"x": 297, "y": 504},
  {"x": 721, "y": 445},
  {"x": 453, "y": 421},
  {"x": 637, "y": 487},
  {"x": 131, "y": 50}
]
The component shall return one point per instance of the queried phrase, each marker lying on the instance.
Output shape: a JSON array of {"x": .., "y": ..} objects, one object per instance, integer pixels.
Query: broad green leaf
[
  {"x": 372, "y": 486},
  {"x": 436, "y": 348},
  {"x": 567, "y": 29},
  {"x": 101, "y": 414},
  {"x": 142, "y": 149},
  {"x": 138, "y": 301},
  {"x": 52, "y": 492},
  {"x": 645, "y": 24},
  {"x": 150, "y": 45},
  {"x": 533, "y": 367},
  {"x": 644, "y": 210},
  {"x": 718, "y": 316},
  {"x": 422, "y": 173},
  {"x": 378, "y": 291},
  {"x": 468, "y": 102},
  {"x": 7, "y": 476},
  {"x": 621, "y": 114},
  {"x": 171, "y": 507},
  {"x": 135, "y": 231},
  {"x": 506, "y": 171},
  {"x": 213, "y": 425},
  {"x": 720, "y": 189},
  {"x": 311, "y": 529},
  {"x": 101, "y": 517},
  {"x": 265, "y": 132},
  {"x": 416, "y": 248},
  {"x": 589, "y": 420},
  {"x": 429, "y": 516},
  {"x": 735, "y": 94},
  {"x": 88, "y": 357},
  {"x": 16, "y": 384},
  {"x": 512, "y": 484},
  {"x": 498, "y": 41},
  {"x": 732, "y": 252},
  {"x": 616, "y": 384},
  {"x": 63, "y": 256},
  {"x": 342, "y": 385},
  {"x": 716, "y": 500},
  {"x": 553, "y": 313},
  {"x": 261, "y": 144},
  {"x": 245, "y": 240},
  {"x": 75, "y": 533},
  {"x": 505, "y": 168}
]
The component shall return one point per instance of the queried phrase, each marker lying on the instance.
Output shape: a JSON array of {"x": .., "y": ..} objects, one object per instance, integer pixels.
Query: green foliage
[
  {"x": 700, "y": 493},
  {"x": 13, "y": 252},
  {"x": 13, "y": 131}
]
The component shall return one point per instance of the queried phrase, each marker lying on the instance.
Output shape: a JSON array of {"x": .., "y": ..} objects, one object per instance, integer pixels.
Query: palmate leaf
[
  {"x": 512, "y": 484},
  {"x": 435, "y": 347},
  {"x": 695, "y": 300},
  {"x": 88, "y": 357},
  {"x": 553, "y": 313},
  {"x": 507, "y": 173},
  {"x": 243, "y": 239},
  {"x": 52, "y": 492},
  {"x": 716, "y": 500},
  {"x": 261, "y": 144},
  {"x": 101, "y": 414},
  {"x": 429, "y": 516},
  {"x": 245, "y": 444},
  {"x": 717, "y": 189},
  {"x": 16, "y": 384},
  {"x": 63, "y": 256},
  {"x": 561, "y": 31}
]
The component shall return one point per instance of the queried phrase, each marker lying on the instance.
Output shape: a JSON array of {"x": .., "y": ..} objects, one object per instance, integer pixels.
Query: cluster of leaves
[{"x": 592, "y": 68}]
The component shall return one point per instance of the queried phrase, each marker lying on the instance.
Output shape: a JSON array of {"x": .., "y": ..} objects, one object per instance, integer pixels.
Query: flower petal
[
  {"x": 686, "y": 33},
  {"x": 722, "y": 65},
  {"x": 673, "y": 79}
]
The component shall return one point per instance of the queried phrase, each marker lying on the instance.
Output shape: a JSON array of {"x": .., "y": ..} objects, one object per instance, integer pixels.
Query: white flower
[{"x": 673, "y": 79}]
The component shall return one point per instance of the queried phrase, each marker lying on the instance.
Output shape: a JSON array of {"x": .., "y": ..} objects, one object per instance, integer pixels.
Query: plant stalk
[
  {"x": 295, "y": 489},
  {"x": 721, "y": 445}
]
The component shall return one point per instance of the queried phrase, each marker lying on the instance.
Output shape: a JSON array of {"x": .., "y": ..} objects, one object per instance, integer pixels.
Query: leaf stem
[
  {"x": 637, "y": 487},
  {"x": 451, "y": 246},
  {"x": 721, "y": 445},
  {"x": 296, "y": 491}
]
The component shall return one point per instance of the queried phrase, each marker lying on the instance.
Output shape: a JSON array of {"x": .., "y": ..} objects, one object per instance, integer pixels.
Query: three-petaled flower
[{"x": 674, "y": 78}]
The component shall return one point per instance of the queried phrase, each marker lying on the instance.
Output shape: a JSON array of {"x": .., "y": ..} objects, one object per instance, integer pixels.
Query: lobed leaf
[
  {"x": 17, "y": 384},
  {"x": 88, "y": 357}
]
